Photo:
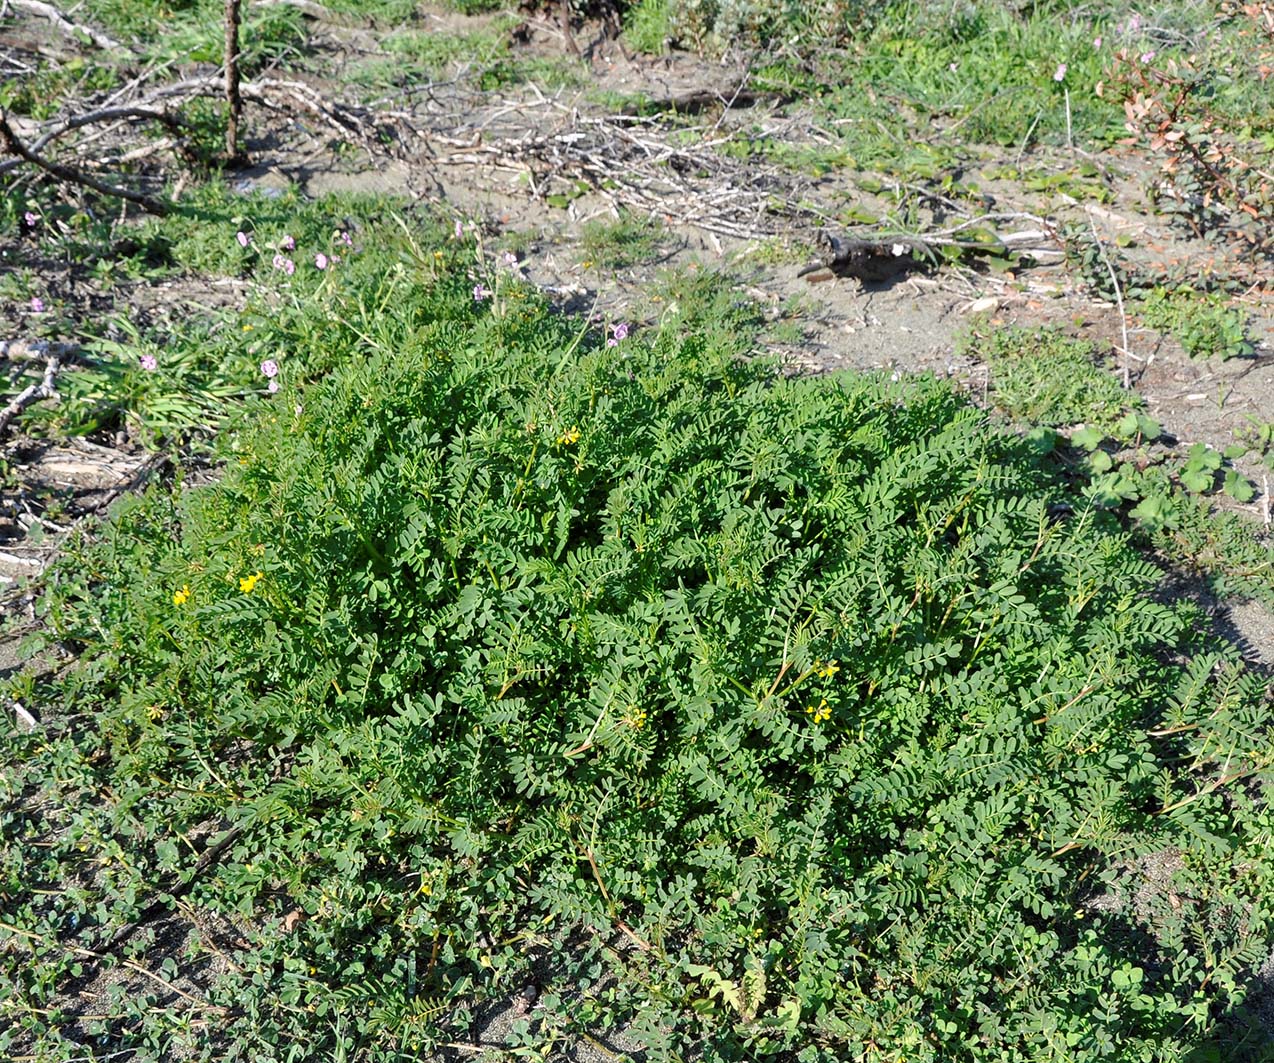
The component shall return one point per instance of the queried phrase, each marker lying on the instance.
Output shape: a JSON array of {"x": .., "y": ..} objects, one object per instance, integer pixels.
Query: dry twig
[
  {"x": 45, "y": 389},
  {"x": 1119, "y": 299}
]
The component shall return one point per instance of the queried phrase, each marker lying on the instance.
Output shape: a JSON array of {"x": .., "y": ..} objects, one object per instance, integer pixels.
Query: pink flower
[
  {"x": 149, "y": 362},
  {"x": 342, "y": 237},
  {"x": 480, "y": 292},
  {"x": 459, "y": 229},
  {"x": 1060, "y": 73},
  {"x": 270, "y": 367},
  {"x": 1145, "y": 57},
  {"x": 243, "y": 238},
  {"x": 287, "y": 243},
  {"x": 1096, "y": 44},
  {"x": 620, "y": 333},
  {"x": 320, "y": 260},
  {"x": 31, "y": 218},
  {"x": 37, "y": 305},
  {"x": 272, "y": 387},
  {"x": 285, "y": 264},
  {"x": 509, "y": 259}
]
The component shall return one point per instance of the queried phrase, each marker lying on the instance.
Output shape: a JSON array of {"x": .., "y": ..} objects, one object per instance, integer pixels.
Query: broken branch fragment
[
  {"x": 68, "y": 173},
  {"x": 65, "y": 25},
  {"x": 44, "y": 389}
]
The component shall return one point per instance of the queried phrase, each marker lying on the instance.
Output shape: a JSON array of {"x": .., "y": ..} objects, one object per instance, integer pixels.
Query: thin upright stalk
[{"x": 233, "y": 98}]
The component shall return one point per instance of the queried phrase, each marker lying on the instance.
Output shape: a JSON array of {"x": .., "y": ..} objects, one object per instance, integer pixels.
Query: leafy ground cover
[
  {"x": 496, "y": 673},
  {"x": 811, "y": 697}
]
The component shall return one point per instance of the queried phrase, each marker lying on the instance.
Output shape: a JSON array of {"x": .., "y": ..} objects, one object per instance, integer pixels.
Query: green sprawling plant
[
  {"x": 760, "y": 717},
  {"x": 1204, "y": 324},
  {"x": 1042, "y": 376}
]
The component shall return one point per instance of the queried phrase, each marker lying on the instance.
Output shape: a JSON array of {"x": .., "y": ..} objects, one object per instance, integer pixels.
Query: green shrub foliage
[{"x": 819, "y": 703}]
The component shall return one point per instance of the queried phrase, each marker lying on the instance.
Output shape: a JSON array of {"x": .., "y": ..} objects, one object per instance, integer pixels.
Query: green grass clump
[
  {"x": 1041, "y": 376},
  {"x": 771, "y": 717},
  {"x": 420, "y": 54},
  {"x": 168, "y": 384},
  {"x": 613, "y": 244},
  {"x": 193, "y": 31},
  {"x": 1203, "y": 323}
]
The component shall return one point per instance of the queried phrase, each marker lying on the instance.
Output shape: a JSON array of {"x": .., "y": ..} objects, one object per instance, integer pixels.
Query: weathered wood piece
[{"x": 868, "y": 261}]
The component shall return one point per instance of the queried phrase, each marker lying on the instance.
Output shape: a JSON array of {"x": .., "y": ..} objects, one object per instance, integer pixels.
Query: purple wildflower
[
  {"x": 1060, "y": 73},
  {"x": 31, "y": 218},
  {"x": 37, "y": 305},
  {"x": 1147, "y": 56},
  {"x": 270, "y": 368},
  {"x": 149, "y": 362},
  {"x": 620, "y": 332},
  {"x": 320, "y": 260},
  {"x": 243, "y": 238},
  {"x": 272, "y": 387},
  {"x": 342, "y": 237},
  {"x": 285, "y": 264},
  {"x": 287, "y": 243},
  {"x": 509, "y": 259},
  {"x": 480, "y": 292},
  {"x": 459, "y": 229}
]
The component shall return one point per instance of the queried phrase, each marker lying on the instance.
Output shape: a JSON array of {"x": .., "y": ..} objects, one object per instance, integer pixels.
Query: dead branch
[
  {"x": 346, "y": 120},
  {"x": 34, "y": 350},
  {"x": 67, "y": 173},
  {"x": 174, "y": 122},
  {"x": 45, "y": 389},
  {"x": 233, "y": 99},
  {"x": 70, "y": 29}
]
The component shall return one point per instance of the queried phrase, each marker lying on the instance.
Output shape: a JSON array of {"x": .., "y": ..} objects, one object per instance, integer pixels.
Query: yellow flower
[
  {"x": 566, "y": 439},
  {"x": 182, "y": 596},
  {"x": 819, "y": 714},
  {"x": 829, "y": 669},
  {"x": 155, "y": 712},
  {"x": 637, "y": 720},
  {"x": 248, "y": 582}
]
